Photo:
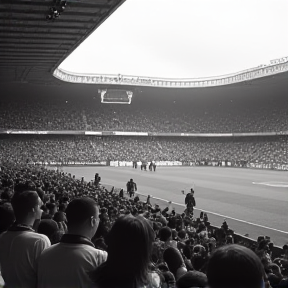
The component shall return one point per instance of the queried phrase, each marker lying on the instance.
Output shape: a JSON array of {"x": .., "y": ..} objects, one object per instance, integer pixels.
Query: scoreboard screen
[{"x": 116, "y": 96}]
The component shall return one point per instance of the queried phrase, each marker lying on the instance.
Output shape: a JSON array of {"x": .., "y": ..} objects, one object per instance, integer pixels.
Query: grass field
[{"x": 254, "y": 202}]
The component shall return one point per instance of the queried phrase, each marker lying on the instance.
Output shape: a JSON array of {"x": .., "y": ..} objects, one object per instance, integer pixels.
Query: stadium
[{"x": 224, "y": 137}]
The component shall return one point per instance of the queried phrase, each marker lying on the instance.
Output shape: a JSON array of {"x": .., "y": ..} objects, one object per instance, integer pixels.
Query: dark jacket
[{"x": 190, "y": 200}]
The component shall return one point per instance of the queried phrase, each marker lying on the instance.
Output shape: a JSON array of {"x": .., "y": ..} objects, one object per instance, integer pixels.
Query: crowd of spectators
[
  {"x": 149, "y": 113},
  {"x": 89, "y": 149},
  {"x": 121, "y": 242}
]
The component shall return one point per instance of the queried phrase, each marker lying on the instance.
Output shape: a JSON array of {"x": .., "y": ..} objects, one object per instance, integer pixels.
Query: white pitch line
[
  {"x": 271, "y": 184},
  {"x": 217, "y": 214}
]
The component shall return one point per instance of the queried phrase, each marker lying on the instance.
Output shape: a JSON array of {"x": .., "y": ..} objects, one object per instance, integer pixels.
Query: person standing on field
[{"x": 131, "y": 187}]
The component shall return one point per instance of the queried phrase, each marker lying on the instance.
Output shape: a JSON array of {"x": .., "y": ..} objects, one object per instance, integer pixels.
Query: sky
[{"x": 184, "y": 38}]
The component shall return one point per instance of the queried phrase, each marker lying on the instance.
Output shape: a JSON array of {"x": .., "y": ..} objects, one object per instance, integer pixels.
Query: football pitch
[{"x": 253, "y": 202}]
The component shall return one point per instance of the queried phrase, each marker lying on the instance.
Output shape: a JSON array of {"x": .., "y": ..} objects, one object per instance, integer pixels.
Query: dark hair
[
  {"x": 165, "y": 233},
  {"x": 182, "y": 233},
  {"x": 23, "y": 203},
  {"x": 192, "y": 279},
  {"x": 260, "y": 238},
  {"x": 40, "y": 193},
  {"x": 51, "y": 206},
  {"x": 6, "y": 215},
  {"x": 49, "y": 228},
  {"x": 21, "y": 187},
  {"x": 80, "y": 210},
  {"x": 262, "y": 244},
  {"x": 129, "y": 252},
  {"x": 174, "y": 259},
  {"x": 62, "y": 207},
  {"x": 234, "y": 266},
  {"x": 7, "y": 194},
  {"x": 59, "y": 217}
]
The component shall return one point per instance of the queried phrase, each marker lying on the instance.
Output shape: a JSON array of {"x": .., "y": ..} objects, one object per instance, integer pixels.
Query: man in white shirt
[
  {"x": 67, "y": 263},
  {"x": 20, "y": 246}
]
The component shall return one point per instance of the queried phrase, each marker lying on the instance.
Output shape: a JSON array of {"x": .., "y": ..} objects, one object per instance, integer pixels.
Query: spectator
[
  {"x": 52, "y": 209},
  {"x": 199, "y": 257},
  {"x": 7, "y": 195},
  {"x": 129, "y": 251},
  {"x": 192, "y": 279},
  {"x": 6, "y": 215},
  {"x": 285, "y": 251},
  {"x": 169, "y": 280},
  {"x": 175, "y": 262},
  {"x": 263, "y": 251},
  {"x": 275, "y": 276},
  {"x": 60, "y": 216},
  {"x": 182, "y": 237},
  {"x": 235, "y": 266},
  {"x": 50, "y": 228},
  {"x": 20, "y": 246},
  {"x": 66, "y": 264},
  {"x": 165, "y": 235}
]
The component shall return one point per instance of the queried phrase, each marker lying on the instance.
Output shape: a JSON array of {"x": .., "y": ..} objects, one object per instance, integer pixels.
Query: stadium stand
[
  {"x": 174, "y": 112},
  {"x": 32, "y": 149}
]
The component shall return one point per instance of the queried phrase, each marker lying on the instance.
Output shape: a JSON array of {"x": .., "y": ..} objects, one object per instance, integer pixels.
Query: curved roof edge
[{"x": 274, "y": 67}]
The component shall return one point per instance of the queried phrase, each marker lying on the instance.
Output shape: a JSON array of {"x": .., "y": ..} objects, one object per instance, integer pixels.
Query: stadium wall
[
  {"x": 147, "y": 134},
  {"x": 224, "y": 163}
]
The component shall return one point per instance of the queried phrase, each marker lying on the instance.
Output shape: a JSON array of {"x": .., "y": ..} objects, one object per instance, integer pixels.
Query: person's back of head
[
  {"x": 234, "y": 266},
  {"x": 26, "y": 204},
  {"x": 192, "y": 279},
  {"x": 82, "y": 217},
  {"x": 129, "y": 251},
  {"x": 7, "y": 195},
  {"x": 182, "y": 234},
  {"x": 21, "y": 187},
  {"x": 52, "y": 207},
  {"x": 60, "y": 216},
  {"x": 6, "y": 215},
  {"x": 49, "y": 228},
  {"x": 165, "y": 234},
  {"x": 175, "y": 262}
]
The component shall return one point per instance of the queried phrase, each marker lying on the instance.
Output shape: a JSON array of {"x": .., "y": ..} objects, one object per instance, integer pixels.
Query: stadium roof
[
  {"x": 184, "y": 39},
  {"x": 32, "y": 45}
]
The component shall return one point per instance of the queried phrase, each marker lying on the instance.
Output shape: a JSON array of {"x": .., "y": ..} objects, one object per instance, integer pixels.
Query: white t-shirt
[
  {"x": 19, "y": 253},
  {"x": 66, "y": 265}
]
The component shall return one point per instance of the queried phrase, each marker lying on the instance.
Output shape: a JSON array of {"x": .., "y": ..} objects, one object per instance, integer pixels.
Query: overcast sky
[{"x": 185, "y": 38}]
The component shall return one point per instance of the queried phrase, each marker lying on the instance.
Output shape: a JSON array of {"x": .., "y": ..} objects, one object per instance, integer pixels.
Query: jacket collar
[
  {"x": 20, "y": 227},
  {"x": 76, "y": 239}
]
